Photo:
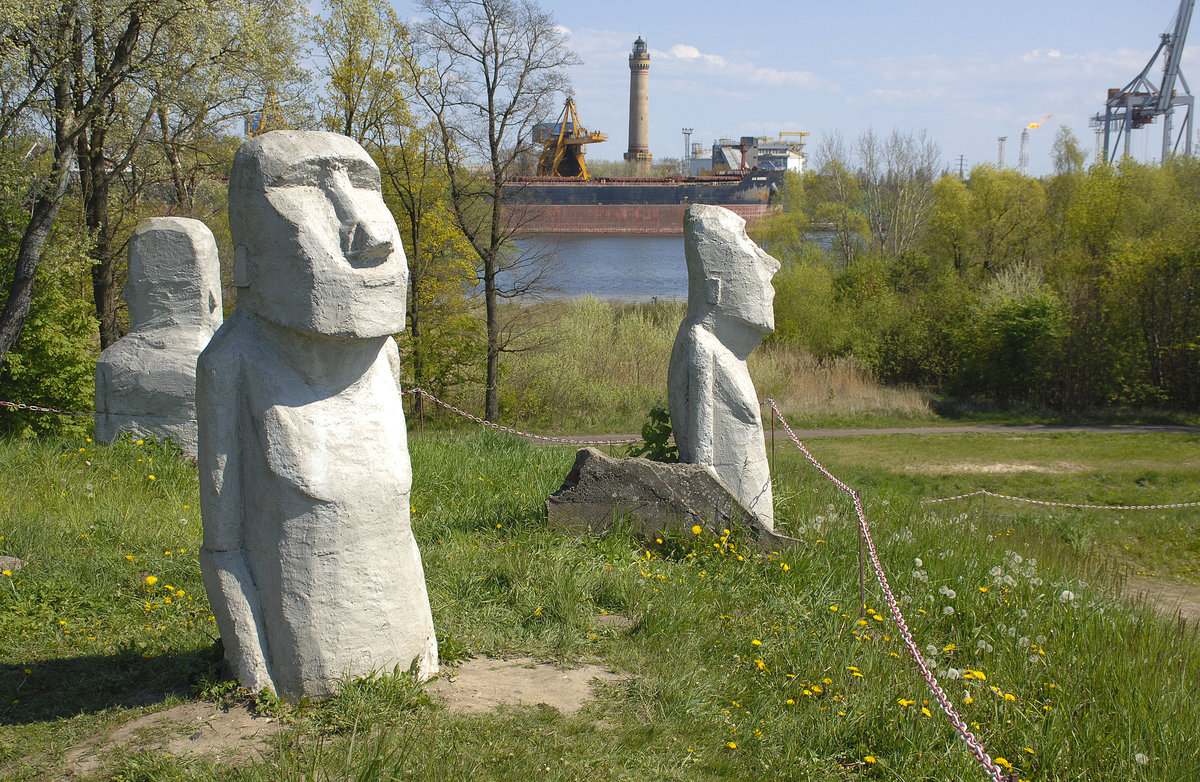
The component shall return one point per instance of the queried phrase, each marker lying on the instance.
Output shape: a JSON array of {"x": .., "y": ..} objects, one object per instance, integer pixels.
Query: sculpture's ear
[
  {"x": 241, "y": 274},
  {"x": 712, "y": 288}
]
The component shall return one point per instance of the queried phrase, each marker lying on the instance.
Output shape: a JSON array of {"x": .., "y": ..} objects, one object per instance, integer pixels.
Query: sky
[{"x": 965, "y": 72}]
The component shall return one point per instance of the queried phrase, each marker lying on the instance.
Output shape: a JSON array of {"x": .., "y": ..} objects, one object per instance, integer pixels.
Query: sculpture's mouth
[{"x": 381, "y": 282}]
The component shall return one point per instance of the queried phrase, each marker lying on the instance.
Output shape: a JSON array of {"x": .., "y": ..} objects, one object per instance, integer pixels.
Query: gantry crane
[
  {"x": 1140, "y": 101},
  {"x": 562, "y": 150}
]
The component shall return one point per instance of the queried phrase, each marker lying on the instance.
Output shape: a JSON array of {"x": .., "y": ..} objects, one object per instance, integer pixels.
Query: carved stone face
[
  {"x": 174, "y": 276},
  {"x": 732, "y": 271},
  {"x": 317, "y": 248}
]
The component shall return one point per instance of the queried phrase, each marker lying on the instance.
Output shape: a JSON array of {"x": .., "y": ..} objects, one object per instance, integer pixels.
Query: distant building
[{"x": 749, "y": 153}]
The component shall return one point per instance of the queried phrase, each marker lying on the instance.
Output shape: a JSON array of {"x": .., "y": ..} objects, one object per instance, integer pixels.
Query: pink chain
[
  {"x": 510, "y": 430},
  {"x": 38, "y": 409},
  {"x": 985, "y": 492},
  {"x": 977, "y": 749}
]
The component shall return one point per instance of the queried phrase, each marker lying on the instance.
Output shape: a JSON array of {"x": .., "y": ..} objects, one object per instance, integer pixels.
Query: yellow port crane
[{"x": 562, "y": 145}]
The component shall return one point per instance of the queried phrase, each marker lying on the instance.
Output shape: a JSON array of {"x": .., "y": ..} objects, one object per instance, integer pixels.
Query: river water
[
  {"x": 615, "y": 267},
  {"x": 622, "y": 267}
]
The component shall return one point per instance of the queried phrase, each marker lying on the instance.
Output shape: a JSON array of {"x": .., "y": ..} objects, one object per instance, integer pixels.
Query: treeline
[
  {"x": 1073, "y": 291},
  {"x": 111, "y": 112}
]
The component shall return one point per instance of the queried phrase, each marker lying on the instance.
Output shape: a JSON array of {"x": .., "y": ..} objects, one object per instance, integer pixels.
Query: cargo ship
[{"x": 552, "y": 205}]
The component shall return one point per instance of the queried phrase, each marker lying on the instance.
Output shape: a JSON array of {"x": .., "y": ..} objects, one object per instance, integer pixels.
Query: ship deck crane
[
  {"x": 1140, "y": 101},
  {"x": 562, "y": 145}
]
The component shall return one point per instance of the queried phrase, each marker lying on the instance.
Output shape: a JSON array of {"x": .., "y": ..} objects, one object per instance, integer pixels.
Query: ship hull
[{"x": 631, "y": 206}]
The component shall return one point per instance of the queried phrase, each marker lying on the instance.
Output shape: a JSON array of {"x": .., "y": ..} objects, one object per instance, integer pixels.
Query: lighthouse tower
[{"x": 639, "y": 106}]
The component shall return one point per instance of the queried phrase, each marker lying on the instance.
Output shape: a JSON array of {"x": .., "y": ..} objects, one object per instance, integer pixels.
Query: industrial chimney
[{"x": 639, "y": 106}]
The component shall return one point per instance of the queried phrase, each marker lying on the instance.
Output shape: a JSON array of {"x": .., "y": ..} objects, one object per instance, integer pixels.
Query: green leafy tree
[
  {"x": 362, "y": 45},
  {"x": 494, "y": 68},
  {"x": 52, "y": 363}
]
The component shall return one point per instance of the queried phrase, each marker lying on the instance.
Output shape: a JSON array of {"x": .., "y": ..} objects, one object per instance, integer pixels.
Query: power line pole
[{"x": 962, "y": 165}]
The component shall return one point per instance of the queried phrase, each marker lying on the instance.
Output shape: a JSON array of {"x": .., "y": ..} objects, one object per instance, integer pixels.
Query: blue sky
[{"x": 966, "y": 72}]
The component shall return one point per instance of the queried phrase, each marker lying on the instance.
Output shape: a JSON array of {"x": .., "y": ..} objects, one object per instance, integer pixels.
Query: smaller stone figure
[
  {"x": 146, "y": 381},
  {"x": 308, "y": 557},
  {"x": 714, "y": 407}
]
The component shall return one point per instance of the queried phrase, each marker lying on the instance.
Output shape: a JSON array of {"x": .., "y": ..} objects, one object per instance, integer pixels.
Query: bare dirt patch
[
  {"x": 196, "y": 729},
  {"x": 482, "y": 684},
  {"x": 1169, "y": 599},
  {"x": 1056, "y": 468}
]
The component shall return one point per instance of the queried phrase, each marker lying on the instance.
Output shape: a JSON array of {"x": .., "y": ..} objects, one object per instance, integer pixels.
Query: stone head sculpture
[
  {"x": 174, "y": 276},
  {"x": 146, "y": 381},
  {"x": 729, "y": 276},
  {"x": 714, "y": 407},
  {"x": 309, "y": 558},
  {"x": 315, "y": 247}
]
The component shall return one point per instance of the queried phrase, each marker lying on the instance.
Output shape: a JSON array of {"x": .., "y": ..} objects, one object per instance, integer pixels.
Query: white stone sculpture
[
  {"x": 308, "y": 557},
  {"x": 146, "y": 380},
  {"x": 714, "y": 407}
]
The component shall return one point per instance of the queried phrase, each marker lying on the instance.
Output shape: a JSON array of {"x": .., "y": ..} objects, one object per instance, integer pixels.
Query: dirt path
[
  {"x": 812, "y": 434},
  {"x": 1168, "y": 598}
]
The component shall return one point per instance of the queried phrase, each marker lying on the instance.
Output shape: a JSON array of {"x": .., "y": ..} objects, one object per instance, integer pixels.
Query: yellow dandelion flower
[
  {"x": 696, "y": 530},
  {"x": 1003, "y": 762},
  {"x": 730, "y": 744},
  {"x": 861, "y": 622},
  {"x": 851, "y": 668},
  {"x": 949, "y": 648},
  {"x": 129, "y": 557},
  {"x": 869, "y": 759},
  {"x": 968, "y": 700},
  {"x": 151, "y": 580},
  {"x": 6, "y": 572},
  {"x": 833, "y": 608},
  {"x": 791, "y": 702},
  {"x": 756, "y": 642},
  {"x": 784, "y": 565},
  {"x": 982, "y": 589},
  {"x": 925, "y": 710},
  {"x": 151, "y": 477},
  {"x": 903, "y": 703}
]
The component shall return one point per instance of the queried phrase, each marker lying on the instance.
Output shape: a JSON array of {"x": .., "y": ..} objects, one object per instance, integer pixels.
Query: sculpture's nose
[
  {"x": 369, "y": 241},
  {"x": 366, "y": 235}
]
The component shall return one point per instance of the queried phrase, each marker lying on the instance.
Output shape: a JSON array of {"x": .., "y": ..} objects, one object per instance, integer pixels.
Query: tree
[
  {"x": 362, "y": 45},
  {"x": 442, "y": 330},
  {"x": 487, "y": 71},
  {"x": 102, "y": 79},
  {"x": 52, "y": 362},
  {"x": 52, "y": 43},
  {"x": 1005, "y": 212}
]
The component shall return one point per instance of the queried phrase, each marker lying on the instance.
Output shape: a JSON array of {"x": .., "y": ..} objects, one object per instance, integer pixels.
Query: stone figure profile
[
  {"x": 146, "y": 380},
  {"x": 308, "y": 558},
  {"x": 714, "y": 407}
]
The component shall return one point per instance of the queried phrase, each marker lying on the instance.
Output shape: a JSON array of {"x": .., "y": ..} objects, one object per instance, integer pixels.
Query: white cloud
[{"x": 684, "y": 52}]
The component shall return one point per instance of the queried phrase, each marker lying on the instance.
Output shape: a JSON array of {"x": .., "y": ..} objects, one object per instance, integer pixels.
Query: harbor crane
[
  {"x": 1137, "y": 103},
  {"x": 562, "y": 145}
]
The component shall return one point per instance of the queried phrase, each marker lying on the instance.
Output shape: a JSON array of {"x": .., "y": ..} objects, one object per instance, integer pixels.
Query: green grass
[{"x": 103, "y": 647}]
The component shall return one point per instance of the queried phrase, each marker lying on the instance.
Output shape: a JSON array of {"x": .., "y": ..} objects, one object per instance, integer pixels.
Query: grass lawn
[{"x": 737, "y": 665}]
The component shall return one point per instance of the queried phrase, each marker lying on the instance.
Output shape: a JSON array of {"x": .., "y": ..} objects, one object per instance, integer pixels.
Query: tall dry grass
[{"x": 591, "y": 366}]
